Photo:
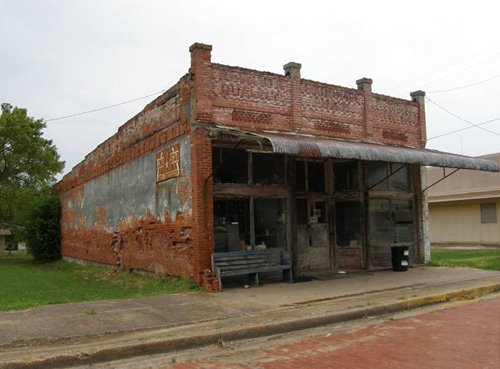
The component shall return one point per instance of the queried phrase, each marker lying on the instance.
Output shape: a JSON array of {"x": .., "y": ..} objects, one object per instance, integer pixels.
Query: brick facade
[{"x": 117, "y": 211}]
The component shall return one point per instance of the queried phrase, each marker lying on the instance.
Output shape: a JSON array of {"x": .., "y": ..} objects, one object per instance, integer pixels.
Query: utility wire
[
  {"x": 460, "y": 72},
  {"x": 445, "y": 67},
  {"x": 463, "y": 129},
  {"x": 105, "y": 107},
  {"x": 463, "y": 120},
  {"x": 461, "y": 87}
]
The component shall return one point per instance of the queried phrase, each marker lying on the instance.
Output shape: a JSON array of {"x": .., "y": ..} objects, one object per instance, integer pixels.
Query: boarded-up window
[{"x": 488, "y": 213}]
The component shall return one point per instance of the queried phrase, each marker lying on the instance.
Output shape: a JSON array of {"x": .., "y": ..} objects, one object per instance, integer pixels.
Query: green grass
[
  {"x": 25, "y": 284},
  {"x": 483, "y": 259}
]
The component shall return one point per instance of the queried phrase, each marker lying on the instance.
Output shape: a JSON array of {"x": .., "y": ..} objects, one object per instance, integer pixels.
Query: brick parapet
[{"x": 263, "y": 101}]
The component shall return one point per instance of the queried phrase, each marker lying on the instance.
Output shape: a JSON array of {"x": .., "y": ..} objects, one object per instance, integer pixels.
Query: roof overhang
[
  {"x": 314, "y": 146},
  {"x": 489, "y": 194}
]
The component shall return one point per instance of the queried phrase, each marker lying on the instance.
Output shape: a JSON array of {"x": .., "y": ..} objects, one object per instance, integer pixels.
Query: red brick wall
[
  {"x": 144, "y": 241},
  {"x": 203, "y": 223},
  {"x": 262, "y": 101}
]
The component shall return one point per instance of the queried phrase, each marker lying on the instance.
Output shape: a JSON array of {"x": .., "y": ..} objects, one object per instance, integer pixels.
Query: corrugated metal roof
[{"x": 314, "y": 146}]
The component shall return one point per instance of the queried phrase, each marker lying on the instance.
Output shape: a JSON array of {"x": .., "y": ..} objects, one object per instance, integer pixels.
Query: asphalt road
[{"x": 454, "y": 335}]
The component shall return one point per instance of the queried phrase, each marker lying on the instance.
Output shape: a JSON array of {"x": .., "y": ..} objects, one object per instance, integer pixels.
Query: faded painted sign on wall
[{"x": 168, "y": 164}]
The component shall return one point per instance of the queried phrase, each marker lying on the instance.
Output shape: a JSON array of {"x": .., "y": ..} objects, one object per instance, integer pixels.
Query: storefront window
[
  {"x": 399, "y": 181},
  {"x": 268, "y": 169},
  {"x": 231, "y": 225},
  {"x": 310, "y": 176},
  {"x": 380, "y": 221},
  {"x": 300, "y": 175},
  {"x": 230, "y": 165},
  {"x": 346, "y": 176},
  {"x": 388, "y": 177},
  {"x": 270, "y": 223},
  {"x": 403, "y": 220},
  {"x": 348, "y": 223},
  {"x": 391, "y": 221},
  {"x": 377, "y": 176}
]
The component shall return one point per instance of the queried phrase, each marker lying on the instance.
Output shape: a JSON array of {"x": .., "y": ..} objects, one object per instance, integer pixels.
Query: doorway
[{"x": 313, "y": 241}]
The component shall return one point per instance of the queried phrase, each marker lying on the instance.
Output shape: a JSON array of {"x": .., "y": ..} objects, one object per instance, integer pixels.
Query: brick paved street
[{"x": 465, "y": 337}]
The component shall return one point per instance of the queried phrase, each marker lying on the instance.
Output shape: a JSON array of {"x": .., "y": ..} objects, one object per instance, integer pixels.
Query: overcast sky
[{"x": 60, "y": 57}]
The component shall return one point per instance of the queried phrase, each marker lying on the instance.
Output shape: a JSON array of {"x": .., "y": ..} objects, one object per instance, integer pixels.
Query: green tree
[
  {"x": 28, "y": 164},
  {"x": 41, "y": 230}
]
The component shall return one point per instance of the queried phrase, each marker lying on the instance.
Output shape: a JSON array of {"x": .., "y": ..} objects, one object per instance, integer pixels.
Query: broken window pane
[
  {"x": 346, "y": 176},
  {"x": 348, "y": 223},
  {"x": 270, "y": 223},
  {"x": 319, "y": 212},
  {"x": 229, "y": 165},
  {"x": 268, "y": 169},
  {"x": 231, "y": 225},
  {"x": 316, "y": 176}
]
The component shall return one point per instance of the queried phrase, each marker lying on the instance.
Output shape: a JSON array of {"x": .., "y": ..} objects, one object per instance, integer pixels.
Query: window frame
[{"x": 485, "y": 217}]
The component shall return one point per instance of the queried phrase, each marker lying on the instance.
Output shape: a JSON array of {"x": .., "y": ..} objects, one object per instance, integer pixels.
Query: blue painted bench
[{"x": 252, "y": 263}]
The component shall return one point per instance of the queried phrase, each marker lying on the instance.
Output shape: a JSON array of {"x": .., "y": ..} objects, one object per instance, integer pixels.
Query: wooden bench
[{"x": 226, "y": 264}]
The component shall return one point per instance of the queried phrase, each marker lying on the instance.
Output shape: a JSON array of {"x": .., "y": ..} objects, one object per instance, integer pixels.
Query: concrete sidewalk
[{"x": 71, "y": 334}]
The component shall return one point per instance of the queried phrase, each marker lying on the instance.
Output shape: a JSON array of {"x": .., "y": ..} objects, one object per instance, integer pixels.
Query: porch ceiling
[{"x": 314, "y": 146}]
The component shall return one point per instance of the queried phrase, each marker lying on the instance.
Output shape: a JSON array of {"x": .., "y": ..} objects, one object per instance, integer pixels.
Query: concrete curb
[{"x": 162, "y": 345}]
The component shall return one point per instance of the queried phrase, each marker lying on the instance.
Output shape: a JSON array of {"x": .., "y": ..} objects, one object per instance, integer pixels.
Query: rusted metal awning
[{"x": 314, "y": 146}]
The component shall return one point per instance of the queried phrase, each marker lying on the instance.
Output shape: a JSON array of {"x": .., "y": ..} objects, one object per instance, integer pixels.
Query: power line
[
  {"x": 463, "y": 120},
  {"x": 446, "y": 66},
  {"x": 461, "y": 87},
  {"x": 463, "y": 129},
  {"x": 105, "y": 107},
  {"x": 460, "y": 72}
]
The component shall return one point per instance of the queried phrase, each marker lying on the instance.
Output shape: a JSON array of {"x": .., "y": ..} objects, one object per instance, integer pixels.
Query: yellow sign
[{"x": 168, "y": 164}]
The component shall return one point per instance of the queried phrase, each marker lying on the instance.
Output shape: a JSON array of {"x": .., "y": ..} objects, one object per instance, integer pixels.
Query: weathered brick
[{"x": 228, "y": 96}]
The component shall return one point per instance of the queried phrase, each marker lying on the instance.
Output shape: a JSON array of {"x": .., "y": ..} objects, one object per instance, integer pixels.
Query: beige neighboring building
[
  {"x": 465, "y": 207},
  {"x": 3, "y": 233}
]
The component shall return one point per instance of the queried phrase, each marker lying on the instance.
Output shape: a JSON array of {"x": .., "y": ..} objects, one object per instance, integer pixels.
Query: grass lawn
[
  {"x": 483, "y": 259},
  {"x": 26, "y": 284}
]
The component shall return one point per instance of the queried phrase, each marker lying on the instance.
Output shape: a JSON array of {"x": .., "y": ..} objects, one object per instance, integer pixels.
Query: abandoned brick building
[{"x": 234, "y": 159}]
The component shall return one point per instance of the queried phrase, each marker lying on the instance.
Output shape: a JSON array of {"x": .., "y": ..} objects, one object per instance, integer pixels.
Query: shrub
[{"x": 41, "y": 231}]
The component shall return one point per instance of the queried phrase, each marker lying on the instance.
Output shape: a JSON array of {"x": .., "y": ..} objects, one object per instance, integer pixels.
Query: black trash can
[{"x": 400, "y": 257}]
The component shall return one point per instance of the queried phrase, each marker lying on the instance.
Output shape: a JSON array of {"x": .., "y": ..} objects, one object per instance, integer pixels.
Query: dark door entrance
[{"x": 313, "y": 243}]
